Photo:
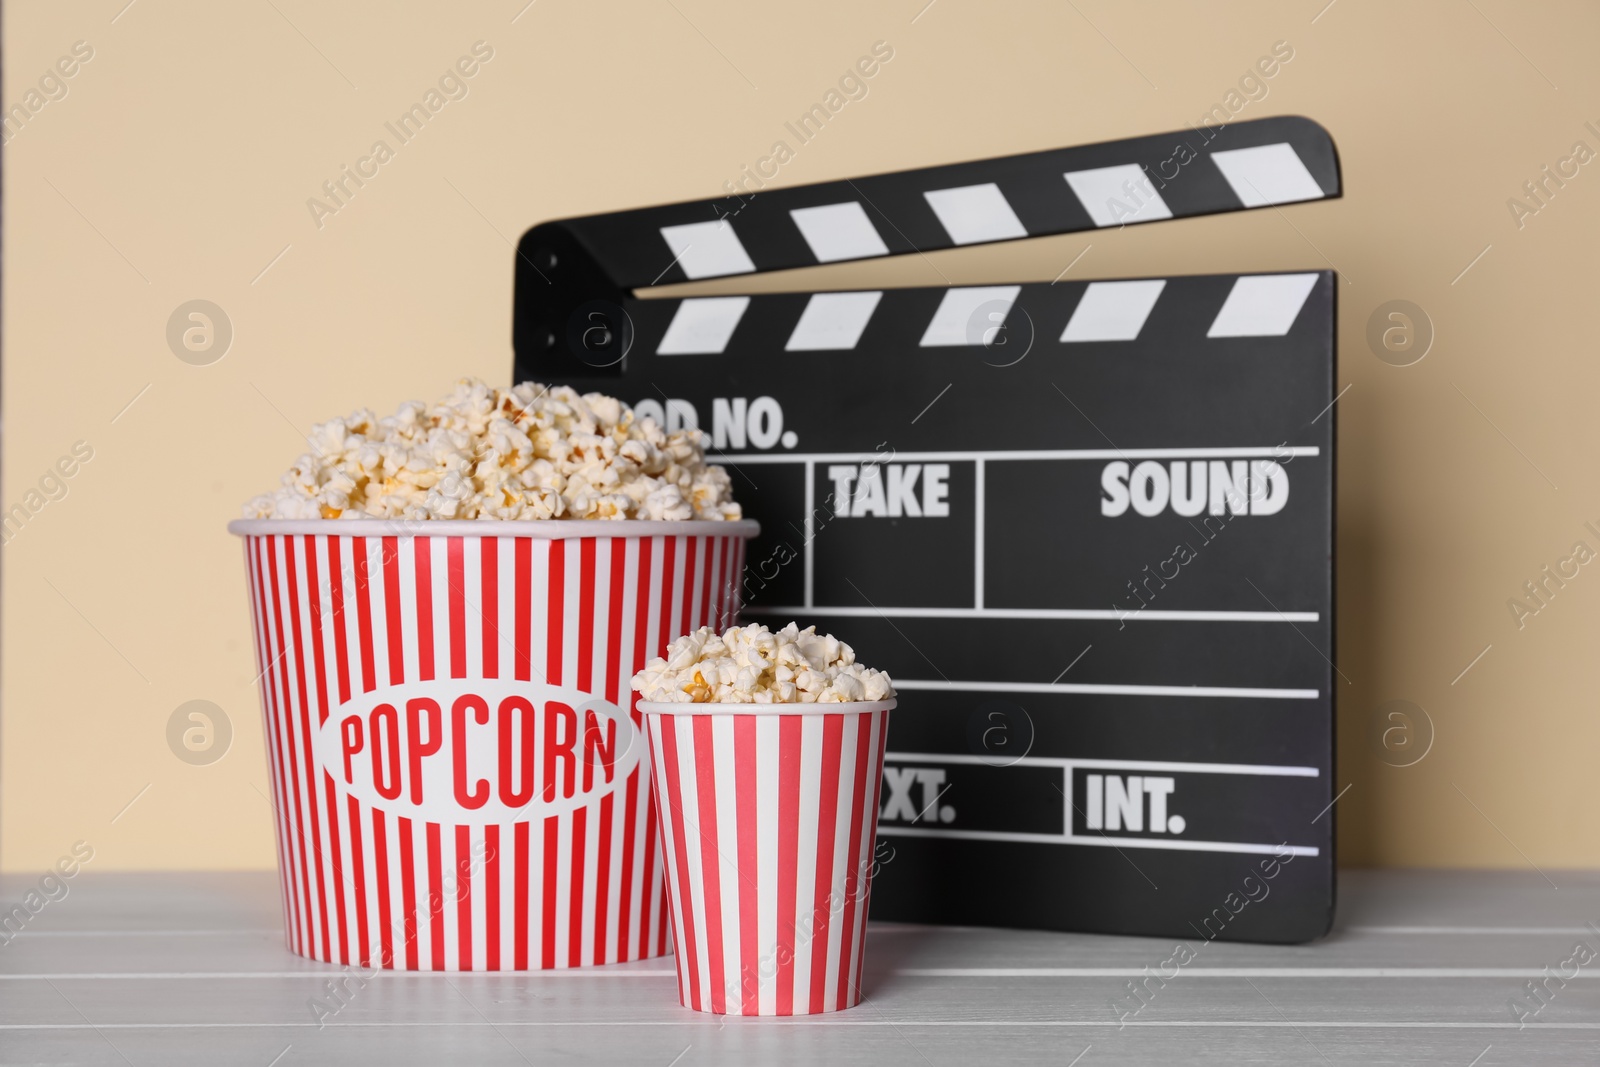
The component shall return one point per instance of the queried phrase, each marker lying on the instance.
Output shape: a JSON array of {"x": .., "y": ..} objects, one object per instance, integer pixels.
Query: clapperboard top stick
[
  {"x": 570, "y": 273},
  {"x": 1101, "y": 573}
]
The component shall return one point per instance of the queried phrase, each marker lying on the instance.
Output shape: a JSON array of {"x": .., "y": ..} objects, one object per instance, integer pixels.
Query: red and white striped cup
[
  {"x": 458, "y": 778},
  {"x": 769, "y": 815}
]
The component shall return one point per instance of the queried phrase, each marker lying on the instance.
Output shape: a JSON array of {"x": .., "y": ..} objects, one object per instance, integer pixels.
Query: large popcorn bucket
[
  {"x": 769, "y": 815},
  {"x": 458, "y": 777}
]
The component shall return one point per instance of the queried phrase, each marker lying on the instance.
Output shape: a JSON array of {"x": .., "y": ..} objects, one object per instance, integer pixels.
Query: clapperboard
[{"x": 1086, "y": 525}]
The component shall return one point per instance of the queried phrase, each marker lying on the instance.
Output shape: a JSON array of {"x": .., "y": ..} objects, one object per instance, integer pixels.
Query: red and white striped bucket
[
  {"x": 458, "y": 778},
  {"x": 769, "y": 815}
]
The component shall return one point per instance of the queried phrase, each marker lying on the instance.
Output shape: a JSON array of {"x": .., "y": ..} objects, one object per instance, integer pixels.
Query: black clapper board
[{"x": 1086, "y": 525}]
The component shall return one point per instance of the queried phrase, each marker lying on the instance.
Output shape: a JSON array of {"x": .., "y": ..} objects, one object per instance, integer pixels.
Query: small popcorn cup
[
  {"x": 458, "y": 777},
  {"x": 769, "y": 815}
]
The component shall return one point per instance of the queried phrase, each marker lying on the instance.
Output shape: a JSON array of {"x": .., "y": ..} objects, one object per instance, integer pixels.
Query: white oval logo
[{"x": 478, "y": 751}]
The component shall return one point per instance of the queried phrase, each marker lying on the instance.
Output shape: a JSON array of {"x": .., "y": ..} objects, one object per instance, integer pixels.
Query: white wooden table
[{"x": 172, "y": 969}]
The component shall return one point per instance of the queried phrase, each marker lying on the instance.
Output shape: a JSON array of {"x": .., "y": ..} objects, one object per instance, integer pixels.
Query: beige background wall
[{"x": 178, "y": 166}]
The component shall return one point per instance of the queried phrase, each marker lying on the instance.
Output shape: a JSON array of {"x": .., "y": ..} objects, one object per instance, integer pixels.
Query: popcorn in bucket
[
  {"x": 767, "y": 752},
  {"x": 457, "y": 773}
]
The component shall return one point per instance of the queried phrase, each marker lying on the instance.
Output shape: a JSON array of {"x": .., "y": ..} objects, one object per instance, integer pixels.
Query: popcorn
[
  {"x": 528, "y": 452},
  {"x": 753, "y": 665}
]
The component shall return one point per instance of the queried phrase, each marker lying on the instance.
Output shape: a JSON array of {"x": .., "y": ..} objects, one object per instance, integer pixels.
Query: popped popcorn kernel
[
  {"x": 527, "y": 452},
  {"x": 754, "y": 665}
]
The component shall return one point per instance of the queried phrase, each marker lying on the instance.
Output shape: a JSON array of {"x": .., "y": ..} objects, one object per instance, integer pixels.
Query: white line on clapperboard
[
  {"x": 1079, "y": 614},
  {"x": 979, "y": 458},
  {"x": 1067, "y": 837},
  {"x": 1269, "y": 452},
  {"x": 1088, "y": 688}
]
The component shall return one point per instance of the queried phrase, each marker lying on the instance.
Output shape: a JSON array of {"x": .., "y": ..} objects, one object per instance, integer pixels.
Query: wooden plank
[{"x": 191, "y": 969}]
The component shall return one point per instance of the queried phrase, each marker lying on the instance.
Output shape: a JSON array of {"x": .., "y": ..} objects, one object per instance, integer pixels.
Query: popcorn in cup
[
  {"x": 457, "y": 775},
  {"x": 767, "y": 756}
]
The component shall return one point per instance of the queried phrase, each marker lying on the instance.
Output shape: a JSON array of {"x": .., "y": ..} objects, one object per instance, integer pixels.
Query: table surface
[{"x": 191, "y": 969}]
